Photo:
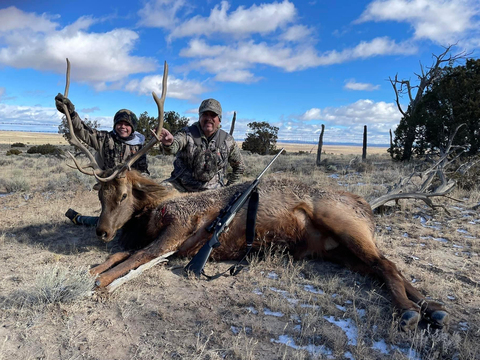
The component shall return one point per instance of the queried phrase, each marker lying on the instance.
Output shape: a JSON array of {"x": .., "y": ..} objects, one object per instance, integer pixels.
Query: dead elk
[{"x": 310, "y": 222}]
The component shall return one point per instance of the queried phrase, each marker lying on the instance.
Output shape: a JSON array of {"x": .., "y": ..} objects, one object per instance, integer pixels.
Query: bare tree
[{"x": 426, "y": 77}]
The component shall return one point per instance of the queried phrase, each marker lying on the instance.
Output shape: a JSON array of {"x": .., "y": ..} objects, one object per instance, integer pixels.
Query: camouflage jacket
[
  {"x": 185, "y": 177},
  {"x": 111, "y": 150}
]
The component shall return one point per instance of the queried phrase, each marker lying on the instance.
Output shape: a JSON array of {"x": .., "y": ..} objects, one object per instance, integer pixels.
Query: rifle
[{"x": 220, "y": 224}]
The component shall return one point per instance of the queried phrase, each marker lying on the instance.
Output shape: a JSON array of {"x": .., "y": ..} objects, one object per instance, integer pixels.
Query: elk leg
[
  {"x": 378, "y": 266},
  {"x": 111, "y": 261},
  {"x": 132, "y": 262},
  {"x": 432, "y": 311},
  {"x": 166, "y": 243}
]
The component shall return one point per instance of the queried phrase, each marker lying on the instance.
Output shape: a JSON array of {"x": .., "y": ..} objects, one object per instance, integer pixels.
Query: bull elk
[{"x": 156, "y": 220}]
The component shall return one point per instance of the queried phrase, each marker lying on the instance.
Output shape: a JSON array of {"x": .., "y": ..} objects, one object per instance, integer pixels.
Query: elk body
[{"x": 310, "y": 222}]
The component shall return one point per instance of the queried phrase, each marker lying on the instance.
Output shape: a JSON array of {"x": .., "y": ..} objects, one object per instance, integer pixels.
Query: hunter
[
  {"x": 203, "y": 152},
  {"x": 113, "y": 147}
]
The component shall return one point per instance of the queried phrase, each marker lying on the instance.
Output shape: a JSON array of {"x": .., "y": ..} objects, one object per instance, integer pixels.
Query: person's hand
[
  {"x": 166, "y": 137},
  {"x": 61, "y": 100}
]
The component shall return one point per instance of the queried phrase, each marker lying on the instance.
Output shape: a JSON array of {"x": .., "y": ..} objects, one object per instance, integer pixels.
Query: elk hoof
[
  {"x": 409, "y": 320},
  {"x": 439, "y": 318}
]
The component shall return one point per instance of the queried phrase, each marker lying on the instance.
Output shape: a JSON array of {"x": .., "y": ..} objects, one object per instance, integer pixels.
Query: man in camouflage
[
  {"x": 113, "y": 147},
  {"x": 203, "y": 152}
]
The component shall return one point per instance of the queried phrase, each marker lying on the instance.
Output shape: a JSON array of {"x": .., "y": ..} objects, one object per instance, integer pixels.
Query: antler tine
[
  {"x": 82, "y": 168},
  {"x": 160, "y": 105},
  {"x": 73, "y": 139}
]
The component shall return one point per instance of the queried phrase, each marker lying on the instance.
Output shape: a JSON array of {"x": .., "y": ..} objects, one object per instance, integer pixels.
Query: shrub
[
  {"x": 18, "y": 144},
  {"x": 46, "y": 149},
  {"x": 16, "y": 184},
  {"x": 61, "y": 284},
  {"x": 13, "y": 152}
]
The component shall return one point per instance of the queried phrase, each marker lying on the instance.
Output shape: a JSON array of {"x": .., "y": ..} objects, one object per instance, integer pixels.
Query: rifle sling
[{"x": 249, "y": 235}]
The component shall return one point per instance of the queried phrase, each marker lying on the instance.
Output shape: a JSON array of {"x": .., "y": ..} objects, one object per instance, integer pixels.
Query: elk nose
[{"x": 101, "y": 234}]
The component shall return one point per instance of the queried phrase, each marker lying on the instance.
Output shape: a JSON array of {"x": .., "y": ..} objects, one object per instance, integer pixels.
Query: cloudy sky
[{"x": 295, "y": 64}]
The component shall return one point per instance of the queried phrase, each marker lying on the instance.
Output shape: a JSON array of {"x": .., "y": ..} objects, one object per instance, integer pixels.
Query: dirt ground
[{"x": 276, "y": 309}]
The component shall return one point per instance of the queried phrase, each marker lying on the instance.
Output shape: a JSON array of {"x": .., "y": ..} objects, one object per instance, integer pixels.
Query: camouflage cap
[
  {"x": 126, "y": 115},
  {"x": 211, "y": 105}
]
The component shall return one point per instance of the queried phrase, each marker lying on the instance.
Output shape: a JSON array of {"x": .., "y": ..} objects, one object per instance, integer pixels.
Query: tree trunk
[
  {"x": 408, "y": 145},
  {"x": 320, "y": 145},
  {"x": 232, "y": 127},
  {"x": 391, "y": 144},
  {"x": 364, "y": 151}
]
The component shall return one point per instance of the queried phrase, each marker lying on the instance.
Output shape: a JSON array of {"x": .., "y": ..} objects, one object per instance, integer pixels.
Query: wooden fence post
[
  {"x": 364, "y": 151},
  {"x": 320, "y": 145},
  {"x": 232, "y": 127}
]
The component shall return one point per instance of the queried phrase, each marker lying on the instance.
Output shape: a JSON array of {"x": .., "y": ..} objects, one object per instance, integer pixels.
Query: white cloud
[
  {"x": 29, "y": 115},
  {"x": 39, "y": 118},
  {"x": 344, "y": 123},
  {"x": 241, "y": 56},
  {"x": 160, "y": 13},
  {"x": 262, "y": 19},
  {"x": 312, "y": 114},
  {"x": 363, "y": 112},
  {"x": 297, "y": 33},
  {"x": 442, "y": 21},
  {"x": 96, "y": 58},
  {"x": 353, "y": 85},
  {"x": 176, "y": 88},
  {"x": 239, "y": 76},
  {"x": 12, "y": 19}
]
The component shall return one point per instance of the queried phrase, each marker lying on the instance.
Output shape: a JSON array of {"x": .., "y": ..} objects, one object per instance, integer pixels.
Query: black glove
[{"x": 60, "y": 100}]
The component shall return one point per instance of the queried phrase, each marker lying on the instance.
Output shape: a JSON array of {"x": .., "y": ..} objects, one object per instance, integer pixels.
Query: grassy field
[{"x": 277, "y": 309}]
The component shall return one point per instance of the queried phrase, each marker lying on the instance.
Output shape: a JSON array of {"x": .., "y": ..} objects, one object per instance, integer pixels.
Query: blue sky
[{"x": 294, "y": 64}]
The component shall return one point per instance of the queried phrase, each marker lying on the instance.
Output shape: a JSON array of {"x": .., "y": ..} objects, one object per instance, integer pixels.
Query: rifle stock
[{"x": 198, "y": 262}]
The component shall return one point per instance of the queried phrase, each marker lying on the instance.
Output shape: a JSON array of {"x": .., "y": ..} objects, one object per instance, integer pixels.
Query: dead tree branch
[{"x": 406, "y": 189}]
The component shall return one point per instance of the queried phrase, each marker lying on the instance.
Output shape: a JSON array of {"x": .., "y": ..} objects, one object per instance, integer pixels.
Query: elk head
[{"x": 118, "y": 185}]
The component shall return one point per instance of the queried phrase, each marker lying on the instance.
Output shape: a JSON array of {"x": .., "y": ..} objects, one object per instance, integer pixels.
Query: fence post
[
  {"x": 320, "y": 144},
  {"x": 232, "y": 127},
  {"x": 364, "y": 151}
]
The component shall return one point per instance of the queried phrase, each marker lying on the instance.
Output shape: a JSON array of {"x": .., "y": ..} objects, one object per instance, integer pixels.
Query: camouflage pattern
[
  {"x": 111, "y": 151},
  {"x": 127, "y": 116},
  {"x": 211, "y": 105},
  {"x": 183, "y": 176}
]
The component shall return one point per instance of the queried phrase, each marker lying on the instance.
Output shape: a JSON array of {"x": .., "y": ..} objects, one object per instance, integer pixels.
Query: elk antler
[
  {"x": 73, "y": 139},
  {"x": 156, "y": 134}
]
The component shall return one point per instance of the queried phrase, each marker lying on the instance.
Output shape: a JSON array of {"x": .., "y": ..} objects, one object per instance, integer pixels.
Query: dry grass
[{"x": 276, "y": 309}]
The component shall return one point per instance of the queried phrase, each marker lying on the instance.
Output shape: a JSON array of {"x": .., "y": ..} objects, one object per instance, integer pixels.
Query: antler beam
[
  {"x": 73, "y": 139},
  {"x": 155, "y": 139}
]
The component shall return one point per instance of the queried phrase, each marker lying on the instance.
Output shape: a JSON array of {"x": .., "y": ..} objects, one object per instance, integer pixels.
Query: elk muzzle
[{"x": 104, "y": 234}]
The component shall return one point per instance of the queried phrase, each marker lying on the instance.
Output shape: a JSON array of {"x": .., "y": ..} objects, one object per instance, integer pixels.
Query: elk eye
[{"x": 124, "y": 196}]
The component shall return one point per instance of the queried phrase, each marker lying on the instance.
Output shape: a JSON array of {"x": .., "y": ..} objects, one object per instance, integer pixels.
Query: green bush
[
  {"x": 46, "y": 149},
  {"x": 13, "y": 152},
  {"x": 19, "y": 144}
]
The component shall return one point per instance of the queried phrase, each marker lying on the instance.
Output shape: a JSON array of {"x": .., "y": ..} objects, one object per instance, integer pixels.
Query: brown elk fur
[{"x": 310, "y": 222}]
